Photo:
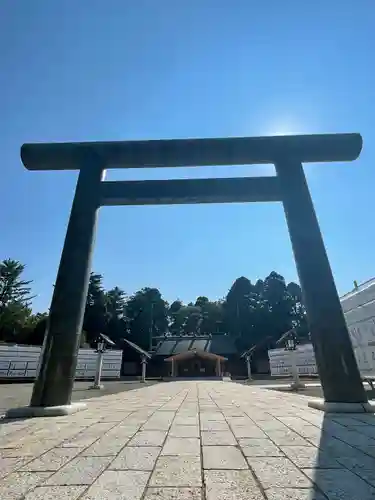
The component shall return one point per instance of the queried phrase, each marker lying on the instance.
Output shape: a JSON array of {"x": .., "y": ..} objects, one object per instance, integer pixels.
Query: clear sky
[{"x": 145, "y": 69}]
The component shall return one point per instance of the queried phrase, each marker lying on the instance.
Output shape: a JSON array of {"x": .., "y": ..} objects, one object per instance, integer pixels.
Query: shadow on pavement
[
  {"x": 345, "y": 464},
  {"x": 17, "y": 395}
]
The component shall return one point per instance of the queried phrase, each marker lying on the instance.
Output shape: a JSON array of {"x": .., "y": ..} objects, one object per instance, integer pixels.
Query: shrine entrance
[
  {"x": 196, "y": 364},
  {"x": 337, "y": 366}
]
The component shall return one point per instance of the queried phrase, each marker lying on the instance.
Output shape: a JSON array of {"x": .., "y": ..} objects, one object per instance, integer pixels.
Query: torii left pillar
[{"x": 53, "y": 386}]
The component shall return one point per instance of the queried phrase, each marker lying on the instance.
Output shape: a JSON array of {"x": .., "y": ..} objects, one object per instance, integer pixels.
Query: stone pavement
[{"x": 190, "y": 441}]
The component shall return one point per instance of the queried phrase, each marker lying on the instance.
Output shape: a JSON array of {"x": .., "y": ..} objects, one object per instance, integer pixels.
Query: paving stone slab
[
  {"x": 223, "y": 457},
  {"x": 249, "y": 431},
  {"x": 294, "y": 494},
  {"x": 212, "y": 438},
  {"x": 212, "y": 417},
  {"x": 173, "y": 494},
  {"x": 341, "y": 484},
  {"x": 105, "y": 447},
  {"x": 122, "y": 431},
  {"x": 184, "y": 431},
  {"x": 259, "y": 447},
  {"x": 214, "y": 426},
  {"x": 53, "y": 460},
  {"x": 278, "y": 472},
  {"x": 118, "y": 485},
  {"x": 148, "y": 438},
  {"x": 310, "y": 457},
  {"x": 181, "y": 446},
  {"x": 177, "y": 471},
  {"x": 56, "y": 492},
  {"x": 136, "y": 458},
  {"x": 81, "y": 470},
  {"x": 17, "y": 484},
  {"x": 33, "y": 449},
  {"x": 186, "y": 420},
  {"x": 11, "y": 464},
  {"x": 231, "y": 485}
]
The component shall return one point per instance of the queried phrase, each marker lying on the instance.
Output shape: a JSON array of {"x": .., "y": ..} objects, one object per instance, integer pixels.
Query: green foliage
[
  {"x": 147, "y": 314},
  {"x": 250, "y": 312},
  {"x": 15, "y": 299}
]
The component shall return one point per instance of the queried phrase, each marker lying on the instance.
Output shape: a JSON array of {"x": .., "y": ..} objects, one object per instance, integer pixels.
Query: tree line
[{"x": 250, "y": 312}]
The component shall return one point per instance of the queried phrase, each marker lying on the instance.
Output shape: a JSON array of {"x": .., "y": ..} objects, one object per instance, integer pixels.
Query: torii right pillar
[{"x": 339, "y": 374}]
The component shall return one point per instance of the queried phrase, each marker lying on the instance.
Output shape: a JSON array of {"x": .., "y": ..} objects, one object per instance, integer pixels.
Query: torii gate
[{"x": 338, "y": 370}]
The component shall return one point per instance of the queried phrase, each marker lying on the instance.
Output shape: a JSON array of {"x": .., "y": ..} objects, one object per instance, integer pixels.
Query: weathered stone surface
[
  {"x": 278, "y": 472},
  {"x": 210, "y": 426},
  {"x": 53, "y": 460},
  {"x": 173, "y": 494},
  {"x": 259, "y": 448},
  {"x": 184, "y": 431},
  {"x": 181, "y": 446},
  {"x": 212, "y": 417},
  {"x": 177, "y": 471},
  {"x": 188, "y": 419},
  {"x": 287, "y": 437},
  {"x": 294, "y": 494},
  {"x": 118, "y": 485},
  {"x": 280, "y": 436},
  {"x": 8, "y": 465},
  {"x": 231, "y": 484},
  {"x": 211, "y": 438},
  {"x": 341, "y": 484},
  {"x": 136, "y": 458},
  {"x": 223, "y": 457},
  {"x": 310, "y": 457},
  {"x": 56, "y": 493},
  {"x": 249, "y": 431},
  {"x": 17, "y": 484},
  {"x": 81, "y": 470},
  {"x": 148, "y": 438}
]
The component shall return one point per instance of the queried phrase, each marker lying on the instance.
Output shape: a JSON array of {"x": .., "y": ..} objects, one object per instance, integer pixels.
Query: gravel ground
[{"x": 15, "y": 395}]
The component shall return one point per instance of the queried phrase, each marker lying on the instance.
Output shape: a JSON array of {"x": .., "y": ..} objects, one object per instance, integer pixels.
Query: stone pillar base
[
  {"x": 295, "y": 386},
  {"x": 96, "y": 386},
  {"x": 320, "y": 404},
  {"x": 44, "y": 411}
]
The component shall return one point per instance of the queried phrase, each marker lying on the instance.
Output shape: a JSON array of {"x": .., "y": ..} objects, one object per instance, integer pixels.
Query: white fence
[
  {"x": 359, "y": 311},
  {"x": 22, "y": 362}
]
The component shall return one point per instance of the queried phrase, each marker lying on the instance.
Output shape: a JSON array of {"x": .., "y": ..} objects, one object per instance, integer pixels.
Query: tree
[
  {"x": 148, "y": 315},
  {"x": 95, "y": 319},
  {"x": 175, "y": 318},
  {"x": 239, "y": 305},
  {"x": 250, "y": 313},
  {"x": 212, "y": 318},
  {"x": 15, "y": 299},
  {"x": 279, "y": 304},
  {"x": 299, "y": 319},
  {"x": 116, "y": 320}
]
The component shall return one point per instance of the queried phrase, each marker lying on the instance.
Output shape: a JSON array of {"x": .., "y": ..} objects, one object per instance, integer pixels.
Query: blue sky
[{"x": 141, "y": 69}]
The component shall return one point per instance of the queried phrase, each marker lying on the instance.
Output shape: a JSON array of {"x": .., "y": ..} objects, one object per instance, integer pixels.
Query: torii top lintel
[{"x": 192, "y": 152}]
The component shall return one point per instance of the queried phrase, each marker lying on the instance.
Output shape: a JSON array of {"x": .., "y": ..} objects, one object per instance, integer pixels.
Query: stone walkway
[{"x": 190, "y": 441}]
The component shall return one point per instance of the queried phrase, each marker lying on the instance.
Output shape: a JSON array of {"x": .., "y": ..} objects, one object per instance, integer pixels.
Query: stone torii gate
[{"x": 339, "y": 374}]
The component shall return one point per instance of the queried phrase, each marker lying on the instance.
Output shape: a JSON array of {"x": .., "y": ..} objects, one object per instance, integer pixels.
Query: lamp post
[
  {"x": 248, "y": 365},
  {"x": 144, "y": 365},
  {"x": 101, "y": 346},
  {"x": 291, "y": 346}
]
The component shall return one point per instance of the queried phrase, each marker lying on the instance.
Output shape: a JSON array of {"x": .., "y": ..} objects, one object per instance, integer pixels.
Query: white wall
[
  {"x": 359, "y": 311},
  {"x": 22, "y": 361}
]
